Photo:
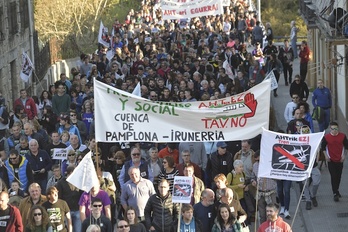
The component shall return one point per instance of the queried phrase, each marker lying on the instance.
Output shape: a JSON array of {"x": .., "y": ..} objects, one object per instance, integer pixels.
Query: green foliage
[
  {"x": 280, "y": 13},
  {"x": 75, "y": 24}
]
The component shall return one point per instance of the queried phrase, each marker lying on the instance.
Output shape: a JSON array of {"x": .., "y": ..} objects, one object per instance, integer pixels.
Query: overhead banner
[
  {"x": 123, "y": 117},
  {"x": 178, "y": 9},
  {"x": 288, "y": 156}
]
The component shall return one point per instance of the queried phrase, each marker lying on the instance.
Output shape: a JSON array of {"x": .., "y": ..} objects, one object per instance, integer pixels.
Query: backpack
[{"x": 318, "y": 114}]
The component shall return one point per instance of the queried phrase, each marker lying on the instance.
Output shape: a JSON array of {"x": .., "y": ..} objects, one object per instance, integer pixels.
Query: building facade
[
  {"x": 16, "y": 31},
  {"x": 326, "y": 21}
]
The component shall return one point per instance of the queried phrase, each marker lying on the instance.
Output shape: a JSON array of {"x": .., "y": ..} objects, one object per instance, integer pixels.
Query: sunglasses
[
  {"x": 12, "y": 158},
  {"x": 98, "y": 206},
  {"x": 72, "y": 115},
  {"x": 71, "y": 155},
  {"x": 124, "y": 226},
  {"x": 37, "y": 214},
  {"x": 136, "y": 154},
  {"x": 334, "y": 128}
]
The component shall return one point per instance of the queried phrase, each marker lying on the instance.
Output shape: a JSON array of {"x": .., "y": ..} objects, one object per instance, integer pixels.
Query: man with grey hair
[
  {"x": 205, "y": 209},
  {"x": 29, "y": 132},
  {"x": 137, "y": 162},
  {"x": 136, "y": 192},
  {"x": 155, "y": 164},
  {"x": 40, "y": 162}
]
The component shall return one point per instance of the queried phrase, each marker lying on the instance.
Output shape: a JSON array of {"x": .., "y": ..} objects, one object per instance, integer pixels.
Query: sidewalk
[{"x": 329, "y": 216}]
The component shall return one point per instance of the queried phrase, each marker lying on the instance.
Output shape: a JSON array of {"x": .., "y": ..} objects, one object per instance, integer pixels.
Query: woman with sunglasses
[
  {"x": 169, "y": 171},
  {"x": 38, "y": 220}
]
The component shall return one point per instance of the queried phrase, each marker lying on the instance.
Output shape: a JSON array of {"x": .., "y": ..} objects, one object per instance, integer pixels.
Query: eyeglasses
[
  {"x": 136, "y": 154},
  {"x": 334, "y": 128},
  {"x": 37, "y": 214},
  {"x": 185, "y": 155},
  {"x": 299, "y": 124},
  {"x": 124, "y": 226},
  {"x": 13, "y": 158},
  {"x": 72, "y": 115},
  {"x": 98, "y": 206}
]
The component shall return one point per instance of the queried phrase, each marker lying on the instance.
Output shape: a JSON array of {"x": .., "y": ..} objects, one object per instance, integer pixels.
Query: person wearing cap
[
  {"x": 220, "y": 161},
  {"x": 65, "y": 125}
]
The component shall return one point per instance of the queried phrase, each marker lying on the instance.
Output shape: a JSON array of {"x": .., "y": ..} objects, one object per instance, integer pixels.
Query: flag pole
[
  {"x": 299, "y": 201},
  {"x": 257, "y": 202},
  {"x": 179, "y": 219}
]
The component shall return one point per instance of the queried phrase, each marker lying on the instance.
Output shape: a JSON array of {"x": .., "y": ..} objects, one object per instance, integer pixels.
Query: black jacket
[{"x": 161, "y": 213}]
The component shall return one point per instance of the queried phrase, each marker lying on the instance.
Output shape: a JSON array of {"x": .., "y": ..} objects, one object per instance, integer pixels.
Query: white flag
[
  {"x": 274, "y": 83},
  {"x": 137, "y": 90},
  {"x": 288, "y": 156},
  {"x": 103, "y": 36},
  {"x": 27, "y": 67},
  {"x": 84, "y": 176}
]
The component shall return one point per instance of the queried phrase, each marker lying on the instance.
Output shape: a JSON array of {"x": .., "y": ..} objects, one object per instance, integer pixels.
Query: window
[
  {"x": 24, "y": 14},
  {"x": 12, "y": 18}
]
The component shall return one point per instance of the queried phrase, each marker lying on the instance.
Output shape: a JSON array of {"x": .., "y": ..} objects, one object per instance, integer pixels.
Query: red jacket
[
  {"x": 304, "y": 55},
  {"x": 29, "y": 107},
  {"x": 15, "y": 222},
  {"x": 278, "y": 225}
]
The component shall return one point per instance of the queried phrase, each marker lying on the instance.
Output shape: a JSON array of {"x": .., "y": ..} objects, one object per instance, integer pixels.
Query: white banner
[
  {"x": 226, "y": 2},
  {"x": 27, "y": 67},
  {"x": 103, "y": 36},
  {"x": 60, "y": 153},
  {"x": 84, "y": 176},
  {"x": 123, "y": 117},
  {"x": 182, "y": 189},
  {"x": 271, "y": 76},
  {"x": 178, "y": 9},
  {"x": 288, "y": 156}
]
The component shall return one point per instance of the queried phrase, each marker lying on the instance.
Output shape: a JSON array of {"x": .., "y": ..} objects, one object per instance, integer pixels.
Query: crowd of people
[{"x": 180, "y": 60}]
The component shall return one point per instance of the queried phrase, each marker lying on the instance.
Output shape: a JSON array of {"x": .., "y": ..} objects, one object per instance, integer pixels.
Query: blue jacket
[
  {"x": 24, "y": 177},
  {"x": 322, "y": 98}
]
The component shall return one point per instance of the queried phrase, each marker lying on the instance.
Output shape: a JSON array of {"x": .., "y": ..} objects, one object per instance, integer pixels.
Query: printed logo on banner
[
  {"x": 182, "y": 190},
  {"x": 291, "y": 157}
]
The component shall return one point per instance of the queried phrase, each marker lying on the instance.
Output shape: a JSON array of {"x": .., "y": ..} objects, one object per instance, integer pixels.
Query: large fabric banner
[
  {"x": 123, "y": 117},
  {"x": 288, "y": 156},
  {"x": 178, "y": 9}
]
